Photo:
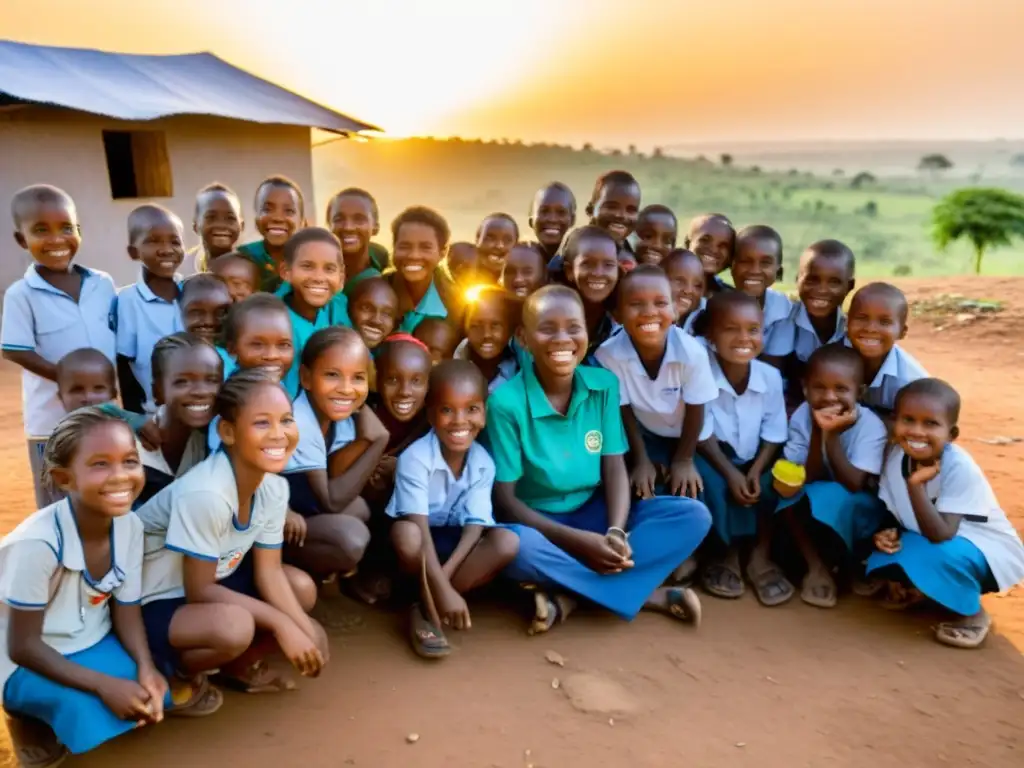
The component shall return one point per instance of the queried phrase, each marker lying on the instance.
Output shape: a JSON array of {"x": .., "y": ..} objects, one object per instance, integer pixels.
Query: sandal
[
  {"x": 35, "y": 744},
  {"x": 900, "y": 598},
  {"x": 365, "y": 587},
  {"x": 722, "y": 580},
  {"x": 428, "y": 641},
  {"x": 549, "y": 610},
  {"x": 868, "y": 587},
  {"x": 771, "y": 586},
  {"x": 204, "y": 699},
  {"x": 820, "y": 594},
  {"x": 257, "y": 678},
  {"x": 966, "y": 633},
  {"x": 684, "y": 604}
]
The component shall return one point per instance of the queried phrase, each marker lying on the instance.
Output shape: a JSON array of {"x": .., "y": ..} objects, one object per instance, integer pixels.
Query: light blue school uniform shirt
[
  {"x": 197, "y": 516},
  {"x": 312, "y": 450},
  {"x": 777, "y": 309},
  {"x": 898, "y": 369},
  {"x": 426, "y": 485},
  {"x": 42, "y": 568},
  {"x": 142, "y": 318},
  {"x": 507, "y": 368},
  {"x": 687, "y": 325},
  {"x": 40, "y": 318},
  {"x": 795, "y": 334},
  {"x": 743, "y": 421},
  {"x": 684, "y": 378},
  {"x": 863, "y": 442},
  {"x": 430, "y": 305}
]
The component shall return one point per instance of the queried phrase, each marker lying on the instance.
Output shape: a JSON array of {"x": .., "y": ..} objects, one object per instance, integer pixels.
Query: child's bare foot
[
  {"x": 819, "y": 589},
  {"x": 968, "y": 632},
  {"x": 549, "y": 610},
  {"x": 681, "y": 603},
  {"x": 34, "y": 743},
  {"x": 258, "y": 677}
]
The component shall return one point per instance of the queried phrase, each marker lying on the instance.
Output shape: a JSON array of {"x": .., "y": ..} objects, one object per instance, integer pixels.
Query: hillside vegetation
[{"x": 885, "y": 220}]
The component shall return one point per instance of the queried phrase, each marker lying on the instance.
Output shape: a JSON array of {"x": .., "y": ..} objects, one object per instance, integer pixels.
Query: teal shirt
[
  {"x": 229, "y": 362},
  {"x": 430, "y": 305},
  {"x": 337, "y": 308},
  {"x": 302, "y": 329},
  {"x": 554, "y": 460},
  {"x": 270, "y": 279}
]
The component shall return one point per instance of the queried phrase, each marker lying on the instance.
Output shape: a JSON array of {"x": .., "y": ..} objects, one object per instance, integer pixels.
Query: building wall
[{"x": 65, "y": 148}]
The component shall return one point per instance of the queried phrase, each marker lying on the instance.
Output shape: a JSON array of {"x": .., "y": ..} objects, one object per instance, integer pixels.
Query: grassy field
[{"x": 885, "y": 221}]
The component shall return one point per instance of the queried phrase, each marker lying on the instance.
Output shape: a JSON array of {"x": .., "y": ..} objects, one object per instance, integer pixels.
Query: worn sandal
[
  {"x": 771, "y": 587},
  {"x": 35, "y": 745},
  {"x": 968, "y": 633},
  {"x": 257, "y": 678},
  {"x": 204, "y": 699},
  {"x": 900, "y": 598},
  {"x": 428, "y": 641},
  {"x": 821, "y": 594},
  {"x": 549, "y": 610},
  {"x": 722, "y": 580},
  {"x": 684, "y": 604}
]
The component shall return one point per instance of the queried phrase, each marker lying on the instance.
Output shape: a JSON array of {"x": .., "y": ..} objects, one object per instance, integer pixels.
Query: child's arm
[
  {"x": 766, "y": 455},
  {"x": 347, "y": 472},
  {"x": 18, "y": 335},
  {"x": 32, "y": 362},
  {"x": 471, "y": 535},
  {"x": 273, "y": 586},
  {"x": 935, "y": 526},
  {"x": 132, "y": 394},
  {"x": 831, "y": 426},
  {"x": 815, "y": 467},
  {"x": 736, "y": 480},
  {"x": 644, "y": 474},
  {"x": 683, "y": 476}
]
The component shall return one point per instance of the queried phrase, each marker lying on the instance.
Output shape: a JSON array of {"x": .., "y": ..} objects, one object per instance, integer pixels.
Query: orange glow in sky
[{"x": 607, "y": 71}]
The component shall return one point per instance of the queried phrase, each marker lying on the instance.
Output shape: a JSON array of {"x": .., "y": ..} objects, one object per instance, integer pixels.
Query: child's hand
[
  {"x": 684, "y": 479},
  {"x": 642, "y": 478},
  {"x": 620, "y": 543},
  {"x": 739, "y": 488},
  {"x": 156, "y": 685},
  {"x": 299, "y": 648},
  {"x": 294, "y": 528},
  {"x": 924, "y": 472},
  {"x": 595, "y": 552},
  {"x": 149, "y": 435},
  {"x": 127, "y": 699},
  {"x": 753, "y": 483},
  {"x": 384, "y": 474},
  {"x": 888, "y": 541},
  {"x": 320, "y": 639},
  {"x": 368, "y": 426},
  {"x": 834, "y": 419},
  {"x": 452, "y": 608}
]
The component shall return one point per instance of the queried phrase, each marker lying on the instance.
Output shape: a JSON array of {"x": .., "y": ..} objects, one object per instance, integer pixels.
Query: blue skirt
[
  {"x": 730, "y": 519},
  {"x": 80, "y": 720},
  {"x": 301, "y": 498},
  {"x": 663, "y": 532},
  {"x": 853, "y": 517},
  {"x": 952, "y": 573}
]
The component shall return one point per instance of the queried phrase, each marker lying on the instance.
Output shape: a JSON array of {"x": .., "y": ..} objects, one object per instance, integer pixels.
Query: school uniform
[
  {"x": 378, "y": 263},
  {"x": 43, "y": 568},
  {"x": 777, "y": 309},
  {"x": 796, "y": 336},
  {"x": 159, "y": 473},
  {"x": 311, "y": 453},
  {"x": 659, "y": 403},
  {"x": 604, "y": 331},
  {"x": 302, "y": 329},
  {"x": 270, "y": 278},
  {"x": 230, "y": 364},
  {"x": 854, "y": 517},
  {"x": 197, "y": 516},
  {"x": 507, "y": 367},
  {"x": 40, "y": 318},
  {"x": 431, "y": 305},
  {"x": 686, "y": 323},
  {"x": 740, "y": 423},
  {"x": 555, "y": 462},
  {"x": 985, "y": 555},
  {"x": 898, "y": 369},
  {"x": 426, "y": 485},
  {"x": 142, "y": 319}
]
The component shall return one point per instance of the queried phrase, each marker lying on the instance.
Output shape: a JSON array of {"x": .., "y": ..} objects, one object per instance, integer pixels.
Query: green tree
[
  {"x": 934, "y": 163},
  {"x": 987, "y": 218},
  {"x": 861, "y": 179},
  {"x": 726, "y": 159}
]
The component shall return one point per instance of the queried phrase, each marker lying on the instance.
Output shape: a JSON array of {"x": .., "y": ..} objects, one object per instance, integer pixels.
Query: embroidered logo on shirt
[
  {"x": 594, "y": 440},
  {"x": 229, "y": 562}
]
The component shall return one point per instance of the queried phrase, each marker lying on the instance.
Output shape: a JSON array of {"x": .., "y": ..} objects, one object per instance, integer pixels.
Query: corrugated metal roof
[{"x": 134, "y": 87}]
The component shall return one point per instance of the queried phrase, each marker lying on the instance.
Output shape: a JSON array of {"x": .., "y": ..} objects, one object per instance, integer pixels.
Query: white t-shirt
[
  {"x": 863, "y": 442},
  {"x": 961, "y": 488},
  {"x": 684, "y": 378},
  {"x": 42, "y": 568},
  {"x": 743, "y": 421},
  {"x": 312, "y": 450},
  {"x": 197, "y": 516}
]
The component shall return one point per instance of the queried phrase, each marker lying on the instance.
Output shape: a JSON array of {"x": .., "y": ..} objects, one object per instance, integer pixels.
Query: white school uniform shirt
[
  {"x": 507, "y": 368},
  {"x": 960, "y": 488},
  {"x": 197, "y": 516},
  {"x": 426, "y": 485},
  {"x": 39, "y": 318},
  {"x": 777, "y": 309},
  {"x": 863, "y": 442},
  {"x": 142, "y": 319},
  {"x": 743, "y": 421},
  {"x": 795, "y": 334},
  {"x": 898, "y": 369},
  {"x": 684, "y": 378},
  {"x": 312, "y": 450},
  {"x": 42, "y": 568}
]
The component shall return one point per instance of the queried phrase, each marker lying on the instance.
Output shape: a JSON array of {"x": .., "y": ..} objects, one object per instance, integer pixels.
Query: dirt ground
[{"x": 792, "y": 686}]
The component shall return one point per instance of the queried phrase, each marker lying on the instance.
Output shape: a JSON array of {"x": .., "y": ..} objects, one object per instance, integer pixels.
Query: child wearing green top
[
  {"x": 279, "y": 214},
  {"x": 353, "y": 217},
  {"x": 556, "y": 435},
  {"x": 421, "y": 238}
]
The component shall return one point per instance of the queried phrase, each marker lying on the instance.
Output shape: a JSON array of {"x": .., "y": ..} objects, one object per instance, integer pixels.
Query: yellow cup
[{"x": 788, "y": 478}]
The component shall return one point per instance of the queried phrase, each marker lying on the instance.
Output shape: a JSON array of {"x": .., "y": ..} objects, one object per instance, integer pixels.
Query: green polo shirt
[
  {"x": 270, "y": 279},
  {"x": 302, "y": 329},
  {"x": 430, "y": 305},
  {"x": 379, "y": 260},
  {"x": 337, "y": 309},
  {"x": 554, "y": 460}
]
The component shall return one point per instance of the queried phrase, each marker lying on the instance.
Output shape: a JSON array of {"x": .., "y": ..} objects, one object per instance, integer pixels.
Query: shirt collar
[
  {"x": 438, "y": 463},
  {"x": 35, "y": 280},
  {"x": 584, "y": 381},
  {"x": 69, "y": 544},
  {"x": 758, "y": 381},
  {"x": 147, "y": 293},
  {"x": 803, "y": 320}
]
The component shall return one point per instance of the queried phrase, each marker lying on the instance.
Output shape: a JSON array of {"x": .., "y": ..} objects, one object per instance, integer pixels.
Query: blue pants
[
  {"x": 853, "y": 517},
  {"x": 663, "y": 532},
  {"x": 952, "y": 573},
  {"x": 80, "y": 720}
]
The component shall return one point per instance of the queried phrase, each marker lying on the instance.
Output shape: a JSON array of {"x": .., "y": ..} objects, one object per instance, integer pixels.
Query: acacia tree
[
  {"x": 987, "y": 218},
  {"x": 934, "y": 163}
]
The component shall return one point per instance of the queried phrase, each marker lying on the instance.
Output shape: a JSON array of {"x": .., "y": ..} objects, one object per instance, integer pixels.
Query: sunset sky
[{"x": 607, "y": 71}]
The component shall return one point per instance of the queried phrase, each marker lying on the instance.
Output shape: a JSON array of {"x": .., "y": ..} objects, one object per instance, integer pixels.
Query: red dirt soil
[{"x": 792, "y": 686}]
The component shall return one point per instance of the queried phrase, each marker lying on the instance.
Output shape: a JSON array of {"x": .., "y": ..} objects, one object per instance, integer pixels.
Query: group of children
[{"x": 596, "y": 414}]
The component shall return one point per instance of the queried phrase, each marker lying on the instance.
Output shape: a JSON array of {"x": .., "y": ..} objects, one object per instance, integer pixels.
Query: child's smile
[
  {"x": 739, "y": 336},
  {"x": 352, "y": 222},
  {"x": 52, "y": 236},
  {"x": 373, "y": 313},
  {"x": 922, "y": 427},
  {"x": 596, "y": 270},
  {"x": 755, "y": 266},
  {"x": 525, "y": 271},
  {"x": 646, "y": 311},
  {"x": 552, "y": 217},
  {"x": 204, "y": 313},
  {"x": 713, "y": 243},
  {"x": 106, "y": 470},
  {"x": 265, "y": 342},
  {"x": 832, "y": 385},
  {"x": 823, "y": 284},
  {"x": 279, "y": 214},
  {"x": 189, "y": 385},
  {"x": 556, "y": 335},
  {"x": 161, "y": 250},
  {"x": 219, "y": 221},
  {"x": 403, "y": 381},
  {"x": 487, "y": 327},
  {"x": 316, "y": 273},
  {"x": 616, "y": 210},
  {"x": 265, "y": 430},
  {"x": 417, "y": 252},
  {"x": 686, "y": 276},
  {"x": 496, "y": 237},
  {"x": 657, "y": 234},
  {"x": 339, "y": 381},
  {"x": 874, "y": 325},
  {"x": 457, "y": 414}
]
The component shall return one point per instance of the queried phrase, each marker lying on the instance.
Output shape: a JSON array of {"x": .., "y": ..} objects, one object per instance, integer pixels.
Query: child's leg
[
  {"x": 303, "y": 586},
  {"x": 334, "y": 544},
  {"x": 769, "y": 582},
  {"x": 209, "y": 635},
  {"x": 496, "y": 549},
  {"x": 722, "y": 575},
  {"x": 407, "y": 540},
  {"x": 428, "y": 639},
  {"x": 819, "y": 588}
]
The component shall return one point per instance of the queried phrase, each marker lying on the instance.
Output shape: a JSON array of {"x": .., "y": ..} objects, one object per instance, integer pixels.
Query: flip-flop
[
  {"x": 35, "y": 745},
  {"x": 205, "y": 699},
  {"x": 713, "y": 580},
  {"x": 968, "y": 633},
  {"x": 428, "y": 641},
  {"x": 808, "y": 595},
  {"x": 549, "y": 610},
  {"x": 902, "y": 599},
  {"x": 257, "y": 678},
  {"x": 684, "y": 605},
  {"x": 771, "y": 587}
]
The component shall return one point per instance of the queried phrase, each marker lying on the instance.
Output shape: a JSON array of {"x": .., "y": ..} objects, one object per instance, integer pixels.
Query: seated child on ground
[
  {"x": 56, "y": 308},
  {"x": 840, "y": 445},
  {"x": 664, "y": 382},
  {"x": 592, "y": 268},
  {"x": 76, "y": 667},
  {"x": 953, "y": 541},
  {"x": 744, "y": 428},
  {"x": 877, "y": 322},
  {"x": 214, "y": 589},
  {"x": 353, "y": 217},
  {"x": 490, "y": 320},
  {"x": 656, "y": 233},
  {"x": 686, "y": 276},
  {"x": 147, "y": 311},
  {"x": 552, "y": 214},
  {"x": 440, "y": 337},
  {"x": 217, "y": 219},
  {"x": 279, "y": 214},
  {"x": 711, "y": 236},
  {"x": 241, "y": 276},
  {"x": 525, "y": 271},
  {"x": 443, "y": 518},
  {"x": 494, "y": 239},
  {"x": 756, "y": 265}
]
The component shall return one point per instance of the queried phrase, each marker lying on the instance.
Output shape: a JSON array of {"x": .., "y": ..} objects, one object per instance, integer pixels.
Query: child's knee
[
  {"x": 232, "y": 631},
  {"x": 352, "y": 537},
  {"x": 407, "y": 539},
  {"x": 358, "y": 509},
  {"x": 505, "y": 544},
  {"x": 303, "y": 586}
]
